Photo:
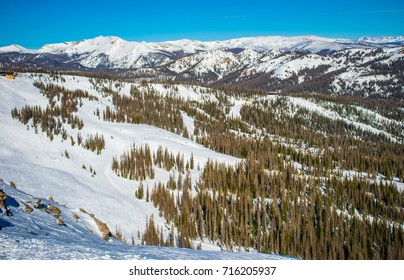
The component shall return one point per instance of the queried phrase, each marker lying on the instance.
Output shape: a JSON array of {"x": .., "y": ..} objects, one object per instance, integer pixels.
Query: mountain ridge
[
  {"x": 220, "y": 43},
  {"x": 365, "y": 67}
]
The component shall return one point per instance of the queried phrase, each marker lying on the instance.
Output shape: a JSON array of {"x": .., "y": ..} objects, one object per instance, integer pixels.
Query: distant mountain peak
[
  {"x": 15, "y": 48},
  {"x": 395, "y": 40}
]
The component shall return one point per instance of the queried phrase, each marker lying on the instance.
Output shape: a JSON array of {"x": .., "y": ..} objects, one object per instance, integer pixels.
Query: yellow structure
[{"x": 8, "y": 75}]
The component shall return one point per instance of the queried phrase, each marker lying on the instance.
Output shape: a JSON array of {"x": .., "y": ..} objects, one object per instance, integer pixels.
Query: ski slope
[{"x": 39, "y": 166}]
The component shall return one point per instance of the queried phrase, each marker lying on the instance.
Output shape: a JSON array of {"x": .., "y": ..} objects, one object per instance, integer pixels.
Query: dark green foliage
[
  {"x": 167, "y": 160},
  {"x": 147, "y": 106},
  {"x": 135, "y": 165},
  {"x": 287, "y": 214},
  {"x": 95, "y": 143},
  {"x": 140, "y": 191},
  {"x": 54, "y": 115},
  {"x": 152, "y": 235}
]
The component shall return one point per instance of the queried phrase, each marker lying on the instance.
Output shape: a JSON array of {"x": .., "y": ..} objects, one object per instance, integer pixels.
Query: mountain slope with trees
[{"x": 166, "y": 164}]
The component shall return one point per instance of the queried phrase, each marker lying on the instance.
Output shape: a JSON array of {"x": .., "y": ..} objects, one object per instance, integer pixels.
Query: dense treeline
[
  {"x": 343, "y": 145},
  {"x": 139, "y": 162},
  {"x": 342, "y": 219},
  {"x": 153, "y": 235},
  {"x": 167, "y": 160},
  {"x": 146, "y": 105},
  {"x": 95, "y": 143},
  {"x": 63, "y": 104},
  {"x": 245, "y": 206},
  {"x": 336, "y": 144},
  {"x": 45, "y": 118},
  {"x": 179, "y": 211},
  {"x": 135, "y": 165}
]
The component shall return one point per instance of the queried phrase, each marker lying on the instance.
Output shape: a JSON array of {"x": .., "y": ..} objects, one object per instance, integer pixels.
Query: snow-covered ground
[
  {"x": 235, "y": 109},
  {"x": 321, "y": 109},
  {"x": 38, "y": 236},
  {"x": 41, "y": 169},
  {"x": 38, "y": 165}
]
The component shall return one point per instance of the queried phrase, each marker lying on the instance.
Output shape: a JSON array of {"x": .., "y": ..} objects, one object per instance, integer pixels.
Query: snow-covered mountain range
[
  {"x": 392, "y": 40},
  {"x": 368, "y": 66}
]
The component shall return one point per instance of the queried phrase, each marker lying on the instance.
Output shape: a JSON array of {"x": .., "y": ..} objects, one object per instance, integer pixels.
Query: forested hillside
[{"x": 305, "y": 175}]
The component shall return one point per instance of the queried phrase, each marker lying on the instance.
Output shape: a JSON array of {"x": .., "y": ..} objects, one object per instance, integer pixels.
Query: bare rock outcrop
[
  {"x": 38, "y": 204},
  {"x": 28, "y": 208},
  {"x": 3, "y": 197},
  {"x": 104, "y": 229},
  {"x": 54, "y": 211},
  {"x": 60, "y": 222}
]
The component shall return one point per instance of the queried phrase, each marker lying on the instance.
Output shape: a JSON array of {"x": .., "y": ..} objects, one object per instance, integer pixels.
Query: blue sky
[{"x": 35, "y": 23}]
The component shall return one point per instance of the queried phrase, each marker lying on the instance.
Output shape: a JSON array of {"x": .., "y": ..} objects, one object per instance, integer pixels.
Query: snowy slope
[
  {"x": 15, "y": 48},
  {"x": 219, "y": 63},
  {"x": 110, "y": 44},
  {"x": 108, "y": 51},
  {"x": 38, "y": 236},
  {"x": 323, "y": 111},
  {"x": 394, "y": 40},
  {"x": 40, "y": 167},
  {"x": 114, "y": 52}
]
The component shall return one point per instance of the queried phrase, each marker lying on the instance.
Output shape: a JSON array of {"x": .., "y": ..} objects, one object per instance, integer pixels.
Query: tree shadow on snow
[
  {"x": 11, "y": 202},
  {"x": 4, "y": 224}
]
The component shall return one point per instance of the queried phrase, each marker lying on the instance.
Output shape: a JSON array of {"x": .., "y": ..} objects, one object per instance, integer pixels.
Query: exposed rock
[
  {"x": 12, "y": 184},
  {"x": 28, "y": 208},
  {"x": 61, "y": 223},
  {"x": 104, "y": 229},
  {"x": 52, "y": 199},
  {"x": 38, "y": 204},
  {"x": 75, "y": 217},
  {"x": 54, "y": 211},
  {"x": 3, "y": 197}
]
